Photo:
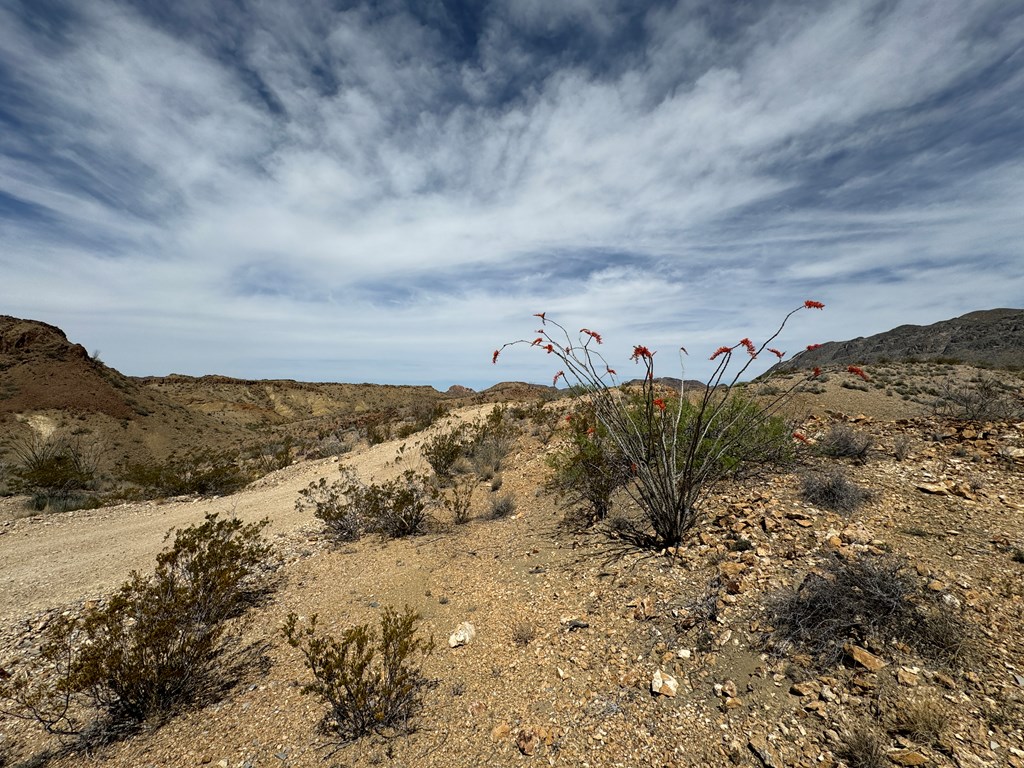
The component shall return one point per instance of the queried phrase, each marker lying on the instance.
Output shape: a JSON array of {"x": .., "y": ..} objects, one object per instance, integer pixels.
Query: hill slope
[{"x": 992, "y": 337}]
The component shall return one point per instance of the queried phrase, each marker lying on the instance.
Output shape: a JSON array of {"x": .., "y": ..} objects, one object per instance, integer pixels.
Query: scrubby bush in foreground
[
  {"x": 159, "y": 644},
  {"x": 370, "y": 681},
  {"x": 676, "y": 448}
]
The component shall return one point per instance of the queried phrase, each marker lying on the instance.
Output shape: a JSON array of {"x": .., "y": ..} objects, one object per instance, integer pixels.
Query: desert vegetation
[
  {"x": 162, "y": 642},
  {"x": 745, "y": 581}
]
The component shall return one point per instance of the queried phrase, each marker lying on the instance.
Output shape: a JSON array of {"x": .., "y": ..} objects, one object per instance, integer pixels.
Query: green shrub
[
  {"x": 161, "y": 643},
  {"x": 343, "y": 519},
  {"x": 457, "y": 498},
  {"x": 869, "y": 598},
  {"x": 587, "y": 468},
  {"x": 370, "y": 682},
  {"x": 207, "y": 473},
  {"x": 349, "y": 507},
  {"x": 833, "y": 490},
  {"x": 442, "y": 451},
  {"x": 489, "y": 442},
  {"x": 54, "y": 471}
]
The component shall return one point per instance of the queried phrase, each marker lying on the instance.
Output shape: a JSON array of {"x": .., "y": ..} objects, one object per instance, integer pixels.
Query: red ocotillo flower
[
  {"x": 813, "y": 304},
  {"x": 558, "y": 375},
  {"x": 641, "y": 351},
  {"x": 592, "y": 334},
  {"x": 494, "y": 357},
  {"x": 721, "y": 351},
  {"x": 611, "y": 371},
  {"x": 536, "y": 342},
  {"x": 541, "y": 316},
  {"x": 816, "y": 372},
  {"x": 776, "y": 352},
  {"x": 748, "y": 345},
  {"x": 858, "y": 372},
  {"x": 549, "y": 348},
  {"x": 660, "y": 403},
  {"x": 812, "y": 347}
]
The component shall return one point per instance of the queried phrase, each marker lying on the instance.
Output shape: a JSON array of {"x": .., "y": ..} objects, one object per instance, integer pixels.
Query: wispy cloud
[{"x": 387, "y": 193}]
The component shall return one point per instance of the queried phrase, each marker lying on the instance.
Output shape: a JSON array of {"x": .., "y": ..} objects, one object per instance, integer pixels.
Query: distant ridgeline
[{"x": 991, "y": 337}]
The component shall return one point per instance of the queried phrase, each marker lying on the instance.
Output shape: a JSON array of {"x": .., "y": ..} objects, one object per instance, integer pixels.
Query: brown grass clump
[
  {"x": 832, "y": 490},
  {"x": 863, "y": 747}
]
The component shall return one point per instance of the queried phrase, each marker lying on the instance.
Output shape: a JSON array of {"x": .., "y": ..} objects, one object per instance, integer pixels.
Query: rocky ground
[{"x": 588, "y": 651}]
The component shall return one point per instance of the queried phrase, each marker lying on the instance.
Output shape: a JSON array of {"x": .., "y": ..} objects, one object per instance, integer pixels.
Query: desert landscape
[{"x": 590, "y": 644}]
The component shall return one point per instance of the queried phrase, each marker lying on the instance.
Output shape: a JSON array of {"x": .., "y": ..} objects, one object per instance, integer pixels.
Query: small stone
[
  {"x": 462, "y": 635},
  {"x": 865, "y": 658},
  {"x": 803, "y": 689},
  {"x": 528, "y": 740},
  {"x": 906, "y": 677},
  {"x": 684, "y": 653},
  {"x": 664, "y": 684},
  {"x": 499, "y": 732},
  {"x": 733, "y": 702},
  {"x": 729, "y": 689}
]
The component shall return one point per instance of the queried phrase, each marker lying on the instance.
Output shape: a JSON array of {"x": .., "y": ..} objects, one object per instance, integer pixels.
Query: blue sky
[{"x": 385, "y": 192}]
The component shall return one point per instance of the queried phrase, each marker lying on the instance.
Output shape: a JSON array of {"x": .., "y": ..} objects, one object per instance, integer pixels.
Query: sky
[{"x": 387, "y": 191}]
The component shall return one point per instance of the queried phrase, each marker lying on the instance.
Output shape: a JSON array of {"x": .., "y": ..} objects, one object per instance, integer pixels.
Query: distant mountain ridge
[{"x": 990, "y": 337}]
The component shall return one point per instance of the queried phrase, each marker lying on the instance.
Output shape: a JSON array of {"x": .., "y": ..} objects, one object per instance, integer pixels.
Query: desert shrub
[
  {"x": 206, "y": 473},
  {"x": 863, "y": 746},
  {"x": 503, "y": 506},
  {"x": 457, "y": 498},
  {"x": 162, "y": 642},
  {"x": 490, "y": 441},
  {"x": 329, "y": 505},
  {"x": 677, "y": 448},
  {"x": 275, "y": 456},
  {"x": 348, "y": 507},
  {"x": 442, "y": 451},
  {"x": 985, "y": 399},
  {"x": 587, "y": 468},
  {"x": 844, "y": 442},
  {"x": 370, "y": 682},
  {"x": 832, "y": 490},
  {"x": 867, "y": 598},
  {"x": 55, "y": 471}
]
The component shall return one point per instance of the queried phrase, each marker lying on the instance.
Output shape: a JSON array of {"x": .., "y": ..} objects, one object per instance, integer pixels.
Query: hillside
[{"x": 992, "y": 338}]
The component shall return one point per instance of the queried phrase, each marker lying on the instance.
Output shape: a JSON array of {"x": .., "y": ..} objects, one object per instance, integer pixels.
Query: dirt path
[{"x": 51, "y": 560}]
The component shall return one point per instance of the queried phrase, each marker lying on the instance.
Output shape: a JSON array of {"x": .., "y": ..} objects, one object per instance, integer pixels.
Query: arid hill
[
  {"x": 991, "y": 337},
  {"x": 51, "y": 386}
]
